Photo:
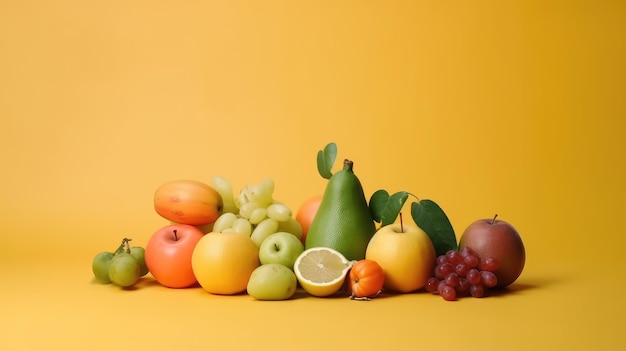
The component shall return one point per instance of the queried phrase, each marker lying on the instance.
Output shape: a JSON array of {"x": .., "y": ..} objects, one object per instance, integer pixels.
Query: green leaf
[
  {"x": 431, "y": 218},
  {"x": 385, "y": 209},
  {"x": 377, "y": 204},
  {"x": 326, "y": 160}
]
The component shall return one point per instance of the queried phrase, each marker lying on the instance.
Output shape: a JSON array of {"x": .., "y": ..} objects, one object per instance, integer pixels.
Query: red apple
[
  {"x": 499, "y": 239},
  {"x": 168, "y": 255}
]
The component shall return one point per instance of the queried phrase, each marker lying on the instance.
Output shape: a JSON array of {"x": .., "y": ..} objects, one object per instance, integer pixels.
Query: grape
[
  {"x": 441, "y": 259},
  {"x": 242, "y": 225},
  {"x": 452, "y": 280},
  {"x": 462, "y": 269},
  {"x": 279, "y": 212},
  {"x": 124, "y": 270},
  {"x": 472, "y": 261},
  {"x": 243, "y": 197},
  {"x": 473, "y": 276},
  {"x": 225, "y": 189},
  {"x": 462, "y": 285},
  {"x": 262, "y": 192},
  {"x": 442, "y": 270},
  {"x": 467, "y": 251},
  {"x": 441, "y": 286},
  {"x": 488, "y": 279},
  {"x": 448, "y": 293},
  {"x": 100, "y": 267},
  {"x": 291, "y": 226},
  {"x": 458, "y": 272},
  {"x": 224, "y": 221},
  {"x": 477, "y": 290},
  {"x": 431, "y": 284},
  {"x": 139, "y": 253},
  {"x": 247, "y": 208},
  {"x": 263, "y": 230},
  {"x": 257, "y": 215},
  {"x": 489, "y": 264},
  {"x": 454, "y": 257}
]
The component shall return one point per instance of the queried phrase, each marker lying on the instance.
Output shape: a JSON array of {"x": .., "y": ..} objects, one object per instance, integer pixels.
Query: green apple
[
  {"x": 282, "y": 248},
  {"x": 272, "y": 281}
]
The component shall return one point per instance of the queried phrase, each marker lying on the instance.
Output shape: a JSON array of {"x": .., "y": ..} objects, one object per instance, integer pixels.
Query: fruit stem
[
  {"x": 348, "y": 165},
  {"x": 494, "y": 219},
  {"x": 175, "y": 235},
  {"x": 401, "y": 223},
  {"x": 120, "y": 248},
  {"x": 127, "y": 240}
]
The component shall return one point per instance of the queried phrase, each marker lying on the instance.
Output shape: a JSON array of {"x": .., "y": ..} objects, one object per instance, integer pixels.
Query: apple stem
[
  {"x": 494, "y": 219},
  {"x": 175, "y": 235},
  {"x": 401, "y": 223}
]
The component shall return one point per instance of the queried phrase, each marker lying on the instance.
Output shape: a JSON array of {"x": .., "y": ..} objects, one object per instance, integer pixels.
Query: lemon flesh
[{"x": 321, "y": 271}]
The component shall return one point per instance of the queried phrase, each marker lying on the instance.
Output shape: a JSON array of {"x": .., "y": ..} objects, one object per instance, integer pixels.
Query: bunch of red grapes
[{"x": 460, "y": 272}]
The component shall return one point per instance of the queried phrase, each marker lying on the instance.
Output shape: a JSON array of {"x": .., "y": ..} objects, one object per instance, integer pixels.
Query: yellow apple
[{"x": 406, "y": 255}]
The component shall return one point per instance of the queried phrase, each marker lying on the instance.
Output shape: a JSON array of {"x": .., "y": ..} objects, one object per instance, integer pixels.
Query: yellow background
[{"x": 508, "y": 107}]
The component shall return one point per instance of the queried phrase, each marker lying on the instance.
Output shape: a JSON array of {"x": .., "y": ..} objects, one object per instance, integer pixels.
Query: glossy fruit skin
[
  {"x": 124, "y": 270},
  {"x": 343, "y": 221},
  {"x": 407, "y": 258},
  {"x": 282, "y": 248},
  {"x": 168, "y": 255},
  {"x": 100, "y": 267},
  {"x": 139, "y": 254},
  {"x": 224, "y": 262},
  {"x": 272, "y": 282},
  {"x": 188, "y": 202},
  {"x": 498, "y": 239},
  {"x": 366, "y": 278},
  {"x": 306, "y": 213}
]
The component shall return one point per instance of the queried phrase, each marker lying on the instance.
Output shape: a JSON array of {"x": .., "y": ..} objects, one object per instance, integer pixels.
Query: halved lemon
[{"x": 321, "y": 271}]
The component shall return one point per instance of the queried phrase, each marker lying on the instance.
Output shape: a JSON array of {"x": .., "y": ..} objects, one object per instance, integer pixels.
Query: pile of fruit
[{"x": 251, "y": 243}]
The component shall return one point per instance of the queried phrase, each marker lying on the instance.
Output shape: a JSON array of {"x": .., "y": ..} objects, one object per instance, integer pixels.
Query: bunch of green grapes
[
  {"x": 254, "y": 211},
  {"x": 122, "y": 267}
]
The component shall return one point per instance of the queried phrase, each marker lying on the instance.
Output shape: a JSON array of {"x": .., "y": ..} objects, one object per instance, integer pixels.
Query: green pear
[{"x": 343, "y": 221}]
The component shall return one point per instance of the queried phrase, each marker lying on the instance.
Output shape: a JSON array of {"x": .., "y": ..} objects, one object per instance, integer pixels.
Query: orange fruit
[
  {"x": 306, "y": 213},
  {"x": 224, "y": 262},
  {"x": 366, "y": 279},
  {"x": 406, "y": 255}
]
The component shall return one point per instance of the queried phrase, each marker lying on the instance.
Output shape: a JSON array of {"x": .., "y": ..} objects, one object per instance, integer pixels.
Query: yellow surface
[{"x": 508, "y": 107}]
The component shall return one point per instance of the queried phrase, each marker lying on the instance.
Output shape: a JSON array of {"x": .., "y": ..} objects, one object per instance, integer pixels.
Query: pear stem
[
  {"x": 348, "y": 165},
  {"x": 401, "y": 223}
]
